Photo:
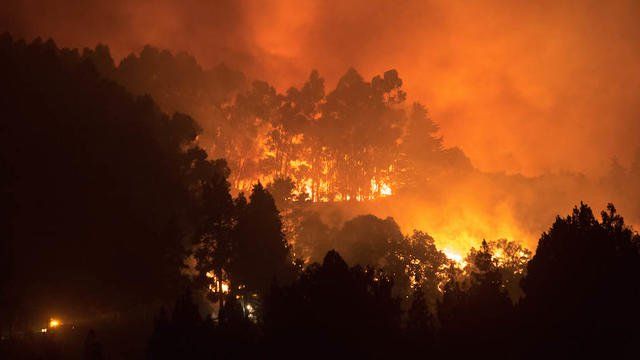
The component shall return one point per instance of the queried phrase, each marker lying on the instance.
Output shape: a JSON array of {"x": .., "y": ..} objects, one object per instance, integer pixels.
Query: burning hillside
[
  {"x": 205, "y": 193},
  {"x": 360, "y": 143}
]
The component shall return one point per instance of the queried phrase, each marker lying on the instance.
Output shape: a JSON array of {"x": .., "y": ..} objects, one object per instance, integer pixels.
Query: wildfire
[
  {"x": 381, "y": 188},
  {"x": 385, "y": 190},
  {"x": 316, "y": 176},
  {"x": 217, "y": 285},
  {"x": 455, "y": 257}
]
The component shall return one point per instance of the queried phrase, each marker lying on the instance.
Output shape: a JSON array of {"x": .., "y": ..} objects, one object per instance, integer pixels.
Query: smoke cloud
[
  {"x": 520, "y": 87},
  {"x": 544, "y": 89}
]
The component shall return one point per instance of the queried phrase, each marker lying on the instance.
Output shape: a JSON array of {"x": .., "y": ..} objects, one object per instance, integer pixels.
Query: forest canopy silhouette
[{"x": 227, "y": 219}]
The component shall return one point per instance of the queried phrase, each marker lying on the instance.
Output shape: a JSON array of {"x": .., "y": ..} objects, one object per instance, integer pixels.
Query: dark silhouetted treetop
[
  {"x": 261, "y": 254},
  {"x": 581, "y": 288},
  {"x": 98, "y": 181},
  {"x": 334, "y": 309}
]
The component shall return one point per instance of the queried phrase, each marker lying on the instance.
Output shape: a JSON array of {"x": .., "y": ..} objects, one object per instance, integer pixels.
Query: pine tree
[{"x": 260, "y": 251}]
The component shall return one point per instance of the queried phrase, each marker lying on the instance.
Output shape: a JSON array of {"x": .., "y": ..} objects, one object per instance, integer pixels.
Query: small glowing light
[
  {"x": 225, "y": 287},
  {"x": 249, "y": 308},
  {"x": 53, "y": 323},
  {"x": 43, "y": 330}
]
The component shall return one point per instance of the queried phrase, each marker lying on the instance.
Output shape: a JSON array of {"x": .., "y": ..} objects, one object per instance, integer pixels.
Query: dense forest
[
  {"x": 193, "y": 203},
  {"x": 360, "y": 140},
  {"x": 357, "y": 141}
]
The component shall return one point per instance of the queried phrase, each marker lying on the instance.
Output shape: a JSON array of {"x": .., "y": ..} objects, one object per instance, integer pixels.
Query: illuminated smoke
[{"x": 503, "y": 81}]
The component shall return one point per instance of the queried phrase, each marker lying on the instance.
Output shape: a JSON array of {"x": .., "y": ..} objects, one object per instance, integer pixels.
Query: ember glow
[{"x": 217, "y": 285}]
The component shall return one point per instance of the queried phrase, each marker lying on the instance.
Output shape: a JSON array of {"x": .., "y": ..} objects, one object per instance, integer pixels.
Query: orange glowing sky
[{"x": 520, "y": 86}]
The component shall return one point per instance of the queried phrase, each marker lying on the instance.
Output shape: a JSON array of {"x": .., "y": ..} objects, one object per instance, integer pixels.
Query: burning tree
[{"x": 359, "y": 141}]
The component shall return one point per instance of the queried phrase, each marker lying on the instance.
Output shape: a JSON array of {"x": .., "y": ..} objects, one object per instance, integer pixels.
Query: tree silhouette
[
  {"x": 410, "y": 260},
  {"x": 282, "y": 191},
  {"x": 511, "y": 260},
  {"x": 344, "y": 144},
  {"x": 334, "y": 309},
  {"x": 260, "y": 251},
  {"x": 581, "y": 288},
  {"x": 417, "y": 262},
  {"x": 185, "y": 334},
  {"x": 92, "y": 348},
  {"x": 157, "y": 347},
  {"x": 368, "y": 240},
  {"x": 95, "y": 182},
  {"x": 421, "y": 325},
  {"x": 477, "y": 315},
  {"x": 313, "y": 238},
  {"x": 214, "y": 210}
]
